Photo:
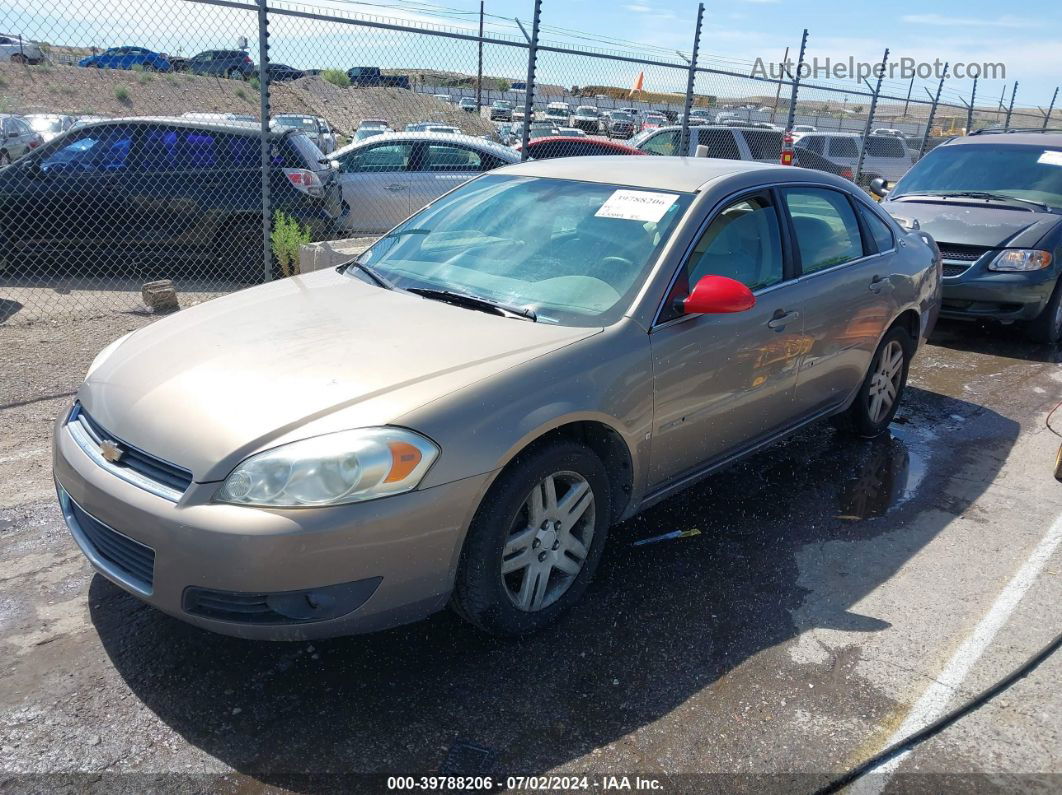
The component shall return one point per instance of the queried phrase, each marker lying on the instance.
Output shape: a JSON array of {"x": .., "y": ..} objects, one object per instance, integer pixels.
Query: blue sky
[{"x": 1027, "y": 40}]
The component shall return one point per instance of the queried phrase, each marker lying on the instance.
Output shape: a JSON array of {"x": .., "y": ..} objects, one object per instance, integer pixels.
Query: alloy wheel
[
  {"x": 548, "y": 541},
  {"x": 885, "y": 383}
]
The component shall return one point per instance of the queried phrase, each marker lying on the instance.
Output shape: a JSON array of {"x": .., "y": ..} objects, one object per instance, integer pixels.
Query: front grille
[
  {"x": 955, "y": 270},
  {"x": 961, "y": 253},
  {"x": 130, "y": 558},
  {"x": 170, "y": 476}
]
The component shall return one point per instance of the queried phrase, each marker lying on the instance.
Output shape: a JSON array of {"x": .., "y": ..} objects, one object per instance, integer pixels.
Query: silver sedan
[{"x": 387, "y": 177}]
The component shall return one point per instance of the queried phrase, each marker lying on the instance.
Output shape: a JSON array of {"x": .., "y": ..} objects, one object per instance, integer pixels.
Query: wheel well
[
  {"x": 909, "y": 322},
  {"x": 607, "y": 445}
]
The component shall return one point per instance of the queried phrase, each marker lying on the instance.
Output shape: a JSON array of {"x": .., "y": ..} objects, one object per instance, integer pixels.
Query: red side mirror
[{"x": 714, "y": 295}]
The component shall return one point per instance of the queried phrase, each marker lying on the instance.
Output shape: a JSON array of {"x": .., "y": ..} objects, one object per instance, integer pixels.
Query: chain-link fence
[{"x": 216, "y": 144}]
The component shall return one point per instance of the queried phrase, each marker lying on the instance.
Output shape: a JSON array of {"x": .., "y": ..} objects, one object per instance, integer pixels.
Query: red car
[{"x": 573, "y": 146}]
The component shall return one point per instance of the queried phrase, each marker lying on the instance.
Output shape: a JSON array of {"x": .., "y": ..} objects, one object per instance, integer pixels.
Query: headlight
[
  {"x": 337, "y": 468},
  {"x": 1020, "y": 259},
  {"x": 102, "y": 356}
]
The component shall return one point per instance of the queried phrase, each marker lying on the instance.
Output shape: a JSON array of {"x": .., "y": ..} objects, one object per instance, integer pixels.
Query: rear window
[
  {"x": 298, "y": 151},
  {"x": 720, "y": 143},
  {"x": 843, "y": 147}
]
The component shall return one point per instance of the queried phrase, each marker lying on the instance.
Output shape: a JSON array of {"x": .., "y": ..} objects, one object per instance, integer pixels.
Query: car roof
[
  {"x": 682, "y": 174},
  {"x": 583, "y": 140},
  {"x": 201, "y": 124},
  {"x": 1026, "y": 139},
  {"x": 504, "y": 152}
]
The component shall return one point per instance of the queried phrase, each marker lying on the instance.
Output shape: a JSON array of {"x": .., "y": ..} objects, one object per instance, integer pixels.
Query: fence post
[
  {"x": 266, "y": 158},
  {"x": 970, "y": 107},
  {"x": 1050, "y": 108},
  {"x": 691, "y": 77},
  {"x": 870, "y": 119},
  {"x": 529, "y": 87},
  {"x": 1010, "y": 108},
  {"x": 932, "y": 113},
  {"x": 479, "y": 66},
  {"x": 796, "y": 83}
]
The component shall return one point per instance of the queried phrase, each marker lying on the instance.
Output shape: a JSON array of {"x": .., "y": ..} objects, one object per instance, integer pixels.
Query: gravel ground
[{"x": 829, "y": 585}]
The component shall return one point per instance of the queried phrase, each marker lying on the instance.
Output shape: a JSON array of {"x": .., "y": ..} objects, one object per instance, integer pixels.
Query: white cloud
[
  {"x": 1005, "y": 21},
  {"x": 638, "y": 9}
]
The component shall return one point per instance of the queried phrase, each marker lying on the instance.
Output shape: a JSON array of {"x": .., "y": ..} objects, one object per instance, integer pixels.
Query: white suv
[
  {"x": 887, "y": 155},
  {"x": 16, "y": 51},
  {"x": 730, "y": 143}
]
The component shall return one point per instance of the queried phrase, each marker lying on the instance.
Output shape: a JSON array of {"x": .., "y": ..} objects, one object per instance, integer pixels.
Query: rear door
[
  {"x": 720, "y": 142},
  {"x": 842, "y": 149},
  {"x": 723, "y": 382},
  {"x": 848, "y": 293},
  {"x": 439, "y": 167},
  {"x": 887, "y": 157},
  {"x": 375, "y": 182}
]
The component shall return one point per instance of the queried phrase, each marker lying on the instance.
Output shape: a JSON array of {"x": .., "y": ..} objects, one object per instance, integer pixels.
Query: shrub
[
  {"x": 255, "y": 83},
  {"x": 287, "y": 236},
  {"x": 144, "y": 78},
  {"x": 241, "y": 93},
  {"x": 336, "y": 77},
  {"x": 121, "y": 93}
]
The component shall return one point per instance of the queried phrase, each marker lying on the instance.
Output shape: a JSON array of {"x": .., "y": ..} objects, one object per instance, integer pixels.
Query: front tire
[
  {"x": 535, "y": 541},
  {"x": 879, "y": 397}
]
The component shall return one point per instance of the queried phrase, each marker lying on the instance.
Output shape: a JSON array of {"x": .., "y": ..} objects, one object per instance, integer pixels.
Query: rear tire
[
  {"x": 1047, "y": 327},
  {"x": 235, "y": 74},
  {"x": 879, "y": 397},
  {"x": 524, "y": 562},
  {"x": 19, "y": 58},
  {"x": 5, "y": 158}
]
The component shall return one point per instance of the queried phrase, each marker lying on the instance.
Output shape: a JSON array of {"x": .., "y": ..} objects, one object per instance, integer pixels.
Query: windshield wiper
[
  {"x": 372, "y": 273},
  {"x": 475, "y": 302},
  {"x": 412, "y": 231},
  {"x": 973, "y": 194}
]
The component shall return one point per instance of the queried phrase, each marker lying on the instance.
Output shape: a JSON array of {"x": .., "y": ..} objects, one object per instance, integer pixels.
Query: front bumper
[
  {"x": 978, "y": 293},
  {"x": 393, "y": 560}
]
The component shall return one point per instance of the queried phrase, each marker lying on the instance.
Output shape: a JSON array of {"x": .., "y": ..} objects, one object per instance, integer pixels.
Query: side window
[
  {"x": 826, "y": 229},
  {"x": 720, "y": 143},
  {"x": 812, "y": 143},
  {"x": 101, "y": 150},
  {"x": 665, "y": 143},
  {"x": 885, "y": 146},
  {"x": 879, "y": 230},
  {"x": 844, "y": 148},
  {"x": 446, "y": 157},
  {"x": 379, "y": 158},
  {"x": 742, "y": 242},
  {"x": 764, "y": 144}
]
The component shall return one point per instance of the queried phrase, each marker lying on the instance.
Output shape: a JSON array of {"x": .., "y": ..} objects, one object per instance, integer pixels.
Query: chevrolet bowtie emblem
[{"x": 110, "y": 450}]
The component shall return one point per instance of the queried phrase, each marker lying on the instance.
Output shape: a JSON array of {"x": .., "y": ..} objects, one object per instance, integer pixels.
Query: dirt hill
[{"x": 111, "y": 92}]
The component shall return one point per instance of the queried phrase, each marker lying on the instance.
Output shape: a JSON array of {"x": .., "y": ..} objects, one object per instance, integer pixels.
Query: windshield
[
  {"x": 503, "y": 104},
  {"x": 42, "y": 124},
  {"x": 586, "y": 111},
  {"x": 298, "y": 122},
  {"x": 574, "y": 252},
  {"x": 1023, "y": 172},
  {"x": 620, "y": 116}
]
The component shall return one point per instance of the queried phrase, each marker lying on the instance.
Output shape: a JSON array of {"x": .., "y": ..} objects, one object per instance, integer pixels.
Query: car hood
[
  {"x": 296, "y": 358},
  {"x": 974, "y": 224}
]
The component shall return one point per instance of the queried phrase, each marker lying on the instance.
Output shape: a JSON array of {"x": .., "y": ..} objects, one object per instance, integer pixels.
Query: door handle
[
  {"x": 395, "y": 187},
  {"x": 878, "y": 283},
  {"x": 781, "y": 319}
]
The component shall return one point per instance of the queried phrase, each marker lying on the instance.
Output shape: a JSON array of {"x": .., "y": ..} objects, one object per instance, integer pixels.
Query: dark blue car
[{"x": 127, "y": 58}]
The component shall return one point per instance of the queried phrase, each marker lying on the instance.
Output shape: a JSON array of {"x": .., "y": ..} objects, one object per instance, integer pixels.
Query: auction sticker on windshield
[
  {"x": 1051, "y": 157},
  {"x": 636, "y": 205}
]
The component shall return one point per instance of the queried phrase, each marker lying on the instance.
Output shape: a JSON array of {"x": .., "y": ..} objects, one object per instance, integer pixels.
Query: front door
[
  {"x": 375, "y": 181},
  {"x": 721, "y": 382},
  {"x": 439, "y": 168}
]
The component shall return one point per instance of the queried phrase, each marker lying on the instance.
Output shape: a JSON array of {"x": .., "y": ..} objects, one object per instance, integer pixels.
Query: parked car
[
  {"x": 172, "y": 190},
  {"x": 15, "y": 49},
  {"x": 459, "y": 414},
  {"x": 653, "y": 121},
  {"x": 127, "y": 58},
  {"x": 501, "y": 110},
  {"x": 279, "y": 72},
  {"x": 370, "y": 127},
  {"x": 568, "y": 146},
  {"x": 888, "y": 131},
  {"x": 444, "y": 98},
  {"x": 17, "y": 138},
  {"x": 49, "y": 125},
  {"x": 238, "y": 118},
  {"x": 389, "y": 176},
  {"x": 994, "y": 204},
  {"x": 369, "y": 76},
  {"x": 468, "y": 105},
  {"x": 571, "y": 132},
  {"x": 619, "y": 124},
  {"x": 587, "y": 118},
  {"x": 540, "y": 129},
  {"x": 804, "y": 128},
  {"x": 886, "y": 155},
  {"x": 559, "y": 113},
  {"x": 233, "y": 64},
  {"x": 313, "y": 127}
]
